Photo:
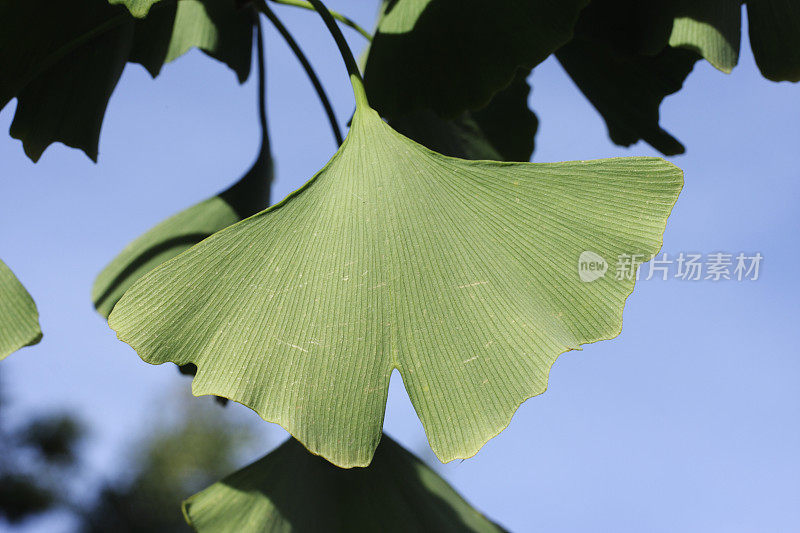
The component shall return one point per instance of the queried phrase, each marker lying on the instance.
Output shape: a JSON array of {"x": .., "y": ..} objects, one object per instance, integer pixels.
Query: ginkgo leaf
[
  {"x": 452, "y": 55},
  {"x": 62, "y": 60},
  {"x": 712, "y": 29},
  {"x": 290, "y": 490},
  {"x": 181, "y": 231},
  {"x": 19, "y": 319},
  {"x": 774, "y": 27},
  {"x": 504, "y": 130},
  {"x": 627, "y": 90},
  {"x": 460, "y": 274}
]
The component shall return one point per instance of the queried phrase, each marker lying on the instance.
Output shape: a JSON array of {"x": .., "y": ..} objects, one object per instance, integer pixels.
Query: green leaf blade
[
  {"x": 712, "y": 29},
  {"x": 19, "y": 319},
  {"x": 460, "y": 274}
]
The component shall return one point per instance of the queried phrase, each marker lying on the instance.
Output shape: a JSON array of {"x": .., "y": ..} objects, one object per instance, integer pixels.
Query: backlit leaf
[
  {"x": 711, "y": 28},
  {"x": 290, "y": 490},
  {"x": 273, "y": 293},
  {"x": 460, "y": 274},
  {"x": 19, "y": 319}
]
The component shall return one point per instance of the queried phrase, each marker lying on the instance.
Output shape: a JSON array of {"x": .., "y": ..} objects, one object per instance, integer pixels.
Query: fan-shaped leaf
[
  {"x": 460, "y": 274},
  {"x": 774, "y": 27},
  {"x": 290, "y": 490},
  {"x": 181, "y": 231},
  {"x": 453, "y": 55},
  {"x": 19, "y": 319}
]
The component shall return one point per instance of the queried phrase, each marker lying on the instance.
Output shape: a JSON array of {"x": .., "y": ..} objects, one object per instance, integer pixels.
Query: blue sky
[{"x": 688, "y": 422}]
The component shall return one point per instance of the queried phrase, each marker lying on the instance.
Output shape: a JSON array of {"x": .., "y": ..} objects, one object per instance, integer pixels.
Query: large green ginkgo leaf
[
  {"x": 290, "y": 490},
  {"x": 504, "y": 130},
  {"x": 460, "y": 274},
  {"x": 711, "y": 28},
  {"x": 181, "y": 231},
  {"x": 774, "y": 27},
  {"x": 62, "y": 60},
  {"x": 452, "y": 55},
  {"x": 19, "y": 319}
]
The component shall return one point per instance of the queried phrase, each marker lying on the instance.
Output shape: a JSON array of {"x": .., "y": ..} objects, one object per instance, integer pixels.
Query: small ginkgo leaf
[
  {"x": 504, "y": 130},
  {"x": 453, "y": 55},
  {"x": 292, "y": 491},
  {"x": 181, "y": 231},
  {"x": 460, "y": 274},
  {"x": 711, "y": 28},
  {"x": 62, "y": 60},
  {"x": 774, "y": 27},
  {"x": 19, "y": 319}
]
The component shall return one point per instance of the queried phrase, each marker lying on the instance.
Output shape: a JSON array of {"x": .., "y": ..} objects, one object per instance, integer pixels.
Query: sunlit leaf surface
[{"x": 460, "y": 274}]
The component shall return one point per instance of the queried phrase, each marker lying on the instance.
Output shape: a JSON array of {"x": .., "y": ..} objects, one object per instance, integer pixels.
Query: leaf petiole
[{"x": 347, "y": 55}]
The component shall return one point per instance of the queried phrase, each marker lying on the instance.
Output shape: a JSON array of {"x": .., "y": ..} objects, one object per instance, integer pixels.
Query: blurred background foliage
[{"x": 183, "y": 452}]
